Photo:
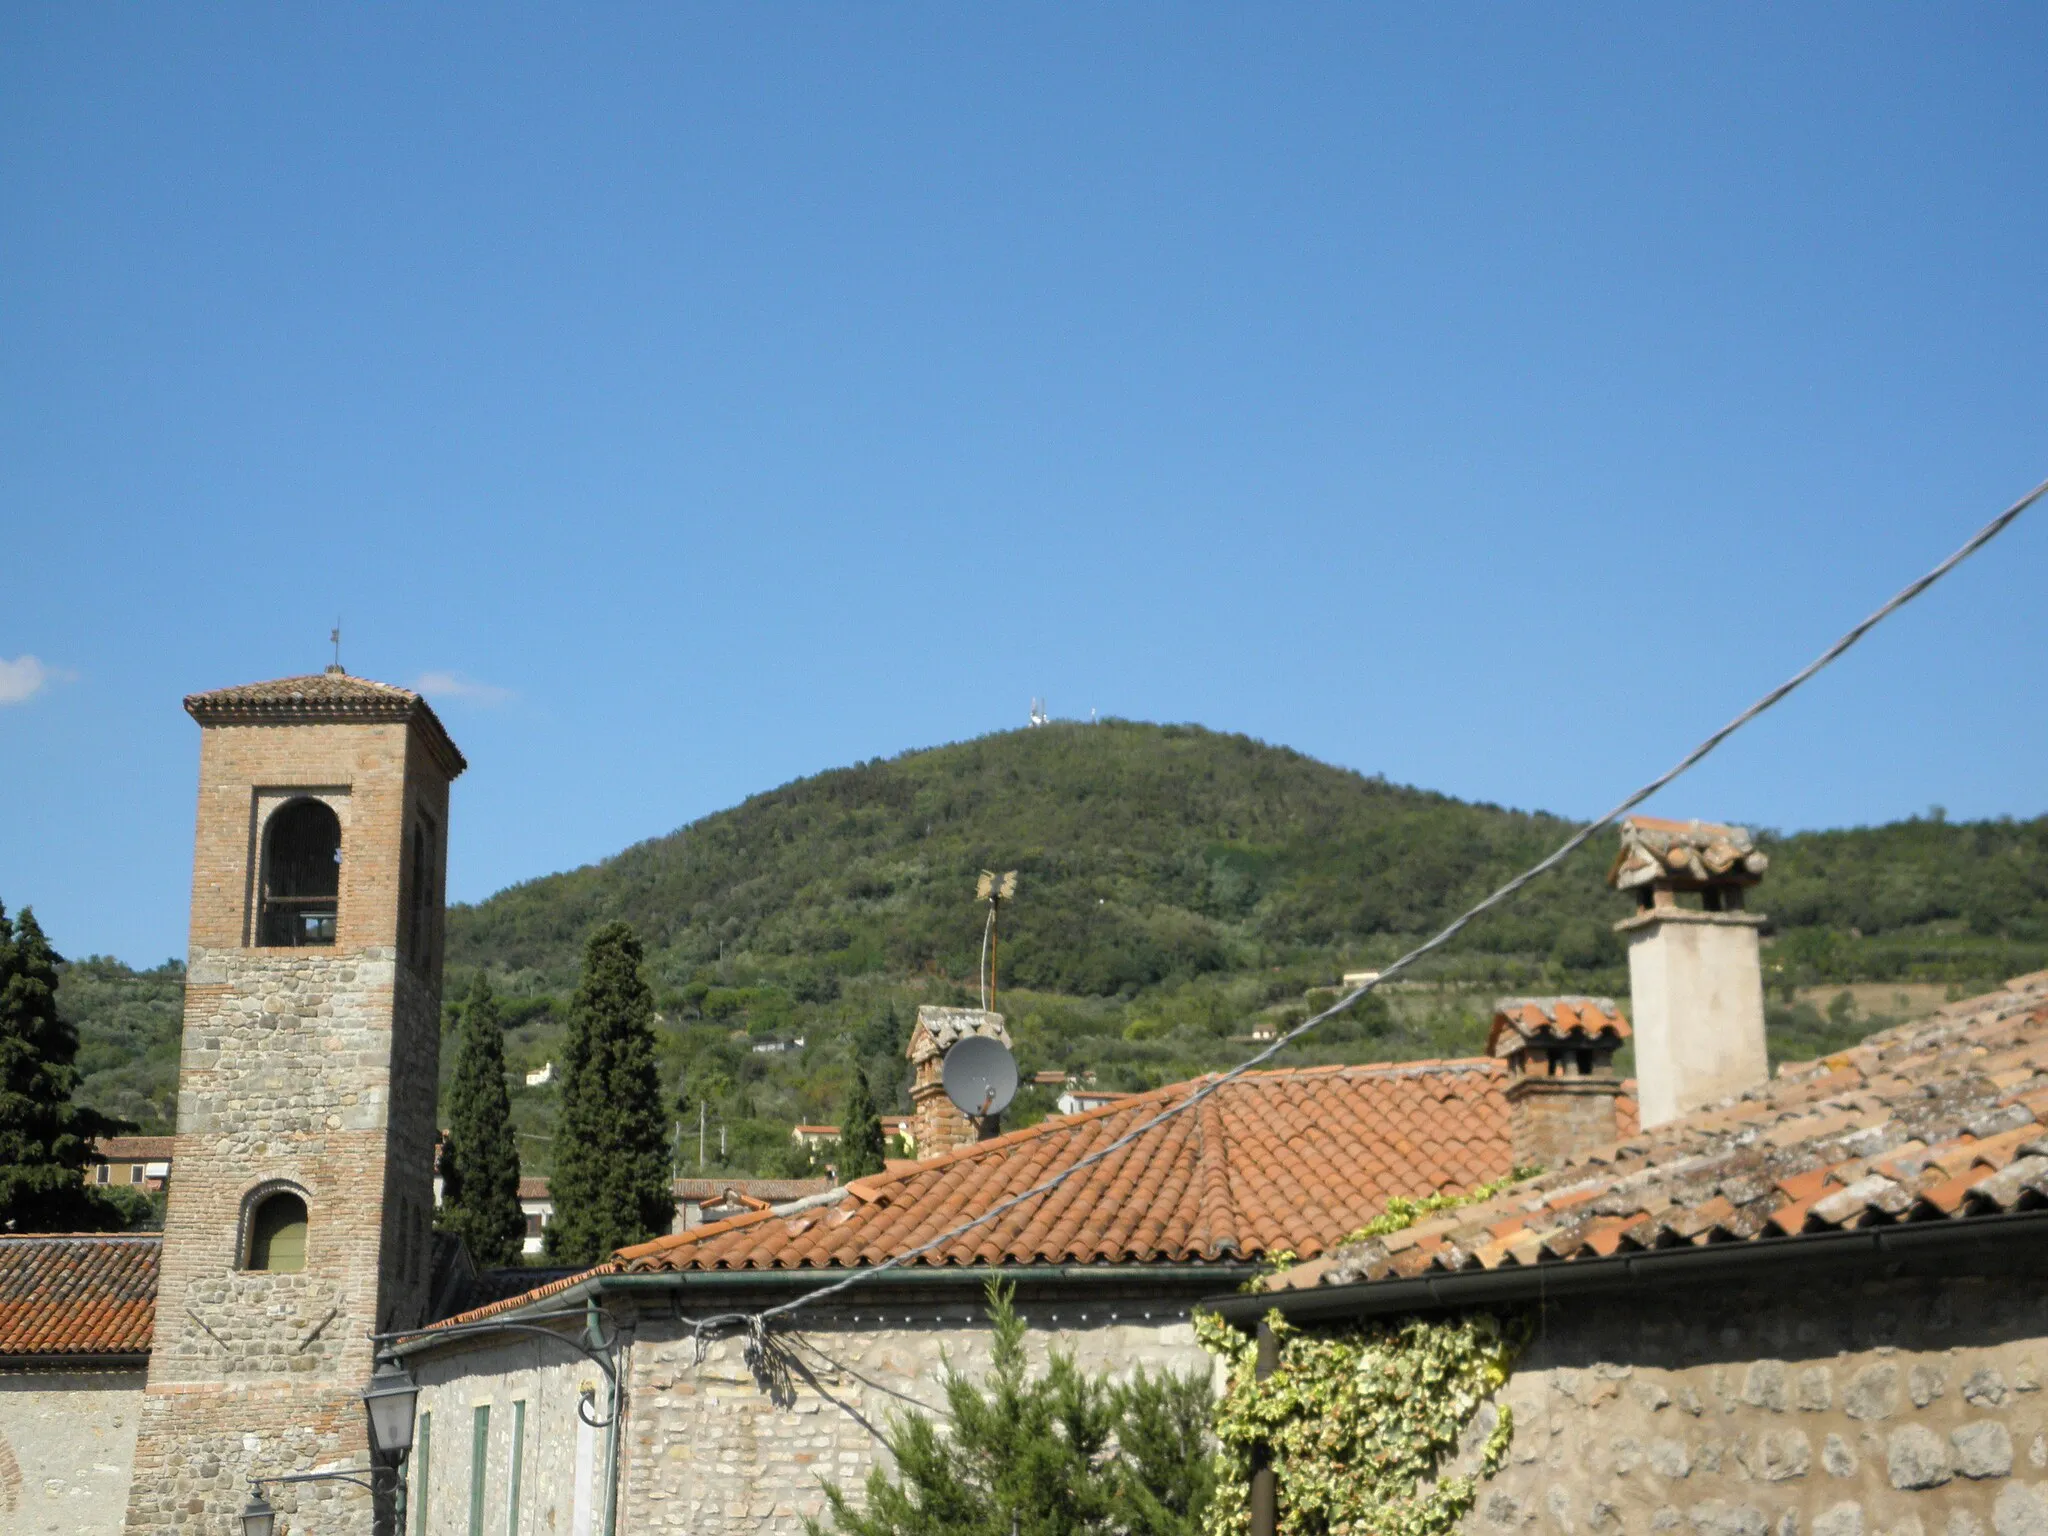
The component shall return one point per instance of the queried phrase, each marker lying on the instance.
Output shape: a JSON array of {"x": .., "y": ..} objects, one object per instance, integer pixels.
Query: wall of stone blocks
[
  {"x": 67, "y": 1446},
  {"x": 1818, "y": 1408},
  {"x": 705, "y": 1449}
]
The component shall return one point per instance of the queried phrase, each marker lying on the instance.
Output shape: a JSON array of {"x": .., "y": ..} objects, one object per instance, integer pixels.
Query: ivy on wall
[{"x": 1360, "y": 1423}]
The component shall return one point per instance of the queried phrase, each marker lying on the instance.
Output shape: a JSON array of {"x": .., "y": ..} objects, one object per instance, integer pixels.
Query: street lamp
[
  {"x": 258, "y": 1518},
  {"x": 390, "y": 1400}
]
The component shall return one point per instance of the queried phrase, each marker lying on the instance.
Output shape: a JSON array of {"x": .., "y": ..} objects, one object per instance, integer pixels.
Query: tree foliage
[
  {"x": 1154, "y": 853},
  {"x": 480, "y": 1175},
  {"x": 860, "y": 1132},
  {"x": 45, "y": 1139},
  {"x": 611, "y": 1174},
  {"x": 1057, "y": 1454}
]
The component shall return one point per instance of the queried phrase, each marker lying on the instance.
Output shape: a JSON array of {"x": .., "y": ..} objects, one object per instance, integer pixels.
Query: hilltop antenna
[
  {"x": 1039, "y": 715},
  {"x": 994, "y": 889},
  {"x": 334, "y": 639}
]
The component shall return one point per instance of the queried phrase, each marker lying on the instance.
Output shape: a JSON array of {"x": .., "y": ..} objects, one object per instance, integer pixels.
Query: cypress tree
[
  {"x": 611, "y": 1177},
  {"x": 480, "y": 1202},
  {"x": 45, "y": 1139},
  {"x": 860, "y": 1132}
]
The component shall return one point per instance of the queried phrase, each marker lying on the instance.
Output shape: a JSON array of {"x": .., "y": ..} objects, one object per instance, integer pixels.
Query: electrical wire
[{"x": 757, "y": 1320}]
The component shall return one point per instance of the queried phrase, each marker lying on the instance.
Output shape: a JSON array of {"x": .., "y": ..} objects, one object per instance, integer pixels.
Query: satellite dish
[{"x": 980, "y": 1076}]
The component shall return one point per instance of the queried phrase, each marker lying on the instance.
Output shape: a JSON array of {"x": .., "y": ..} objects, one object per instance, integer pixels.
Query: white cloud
[
  {"x": 22, "y": 679},
  {"x": 453, "y": 685}
]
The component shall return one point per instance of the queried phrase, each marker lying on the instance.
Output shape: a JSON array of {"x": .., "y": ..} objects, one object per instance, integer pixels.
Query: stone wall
[
  {"x": 707, "y": 1450},
  {"x": 1820, "y": 1408},
  {"x": 67, "y": 1445}
]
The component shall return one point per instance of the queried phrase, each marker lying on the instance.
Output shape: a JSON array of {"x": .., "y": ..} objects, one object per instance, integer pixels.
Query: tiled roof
[
  {"x": 1287, "y": 1160},
  {"x": 77, "y": 1295},
  {"x": 325, "y": 696},
  {"x": 134, "y": 1149},
  {"x": 1939, "y": 1120},
  {"x": 1521, "y": 1021},
  {"x": 1275, "y": 1160}
]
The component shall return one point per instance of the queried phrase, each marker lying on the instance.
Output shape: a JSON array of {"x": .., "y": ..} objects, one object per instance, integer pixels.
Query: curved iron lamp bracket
[
  {"x": 258, "y": 1484},
  {"x": 598, "y": 1352}
]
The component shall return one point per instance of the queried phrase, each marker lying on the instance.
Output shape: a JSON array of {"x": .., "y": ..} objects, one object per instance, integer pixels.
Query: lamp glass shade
[
  {"x": 390, "y": 1401},
  {"x": 258, "y": 1518}
]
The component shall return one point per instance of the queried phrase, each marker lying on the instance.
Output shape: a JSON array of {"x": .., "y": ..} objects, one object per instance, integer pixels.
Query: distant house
[
  {"x": 775, "y": 1045},
  {"x": 142, "y": 1162},
  {"x": 539, "y": 1211},
  {"x": 1078, "y": 1100},
  {"x": 1048, "y": 1079},
  {"x": 814, "y": 1137},
  {"x": 697, "y": 1201},
  {"x": 544, "y": 1073}
]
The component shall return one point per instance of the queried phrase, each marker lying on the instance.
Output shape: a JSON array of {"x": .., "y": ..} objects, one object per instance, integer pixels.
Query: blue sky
[{"x": 698, "y": 398}]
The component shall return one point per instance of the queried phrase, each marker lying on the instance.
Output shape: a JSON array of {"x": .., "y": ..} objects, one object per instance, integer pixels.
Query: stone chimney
[
  {"x": 936, "y": 1127},
  {"x": 1695, "y": 979},
  {"x": 1561, "y": 1083}
]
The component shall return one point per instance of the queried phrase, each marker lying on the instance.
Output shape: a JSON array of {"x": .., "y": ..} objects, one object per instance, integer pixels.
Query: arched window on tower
[
  {"x": 301, "y": 876},
  {"x": 277, "y": 1234}
]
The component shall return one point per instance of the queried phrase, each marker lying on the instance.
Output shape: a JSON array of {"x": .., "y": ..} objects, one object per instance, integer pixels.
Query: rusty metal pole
[{"x": 1265, "y": 1491}]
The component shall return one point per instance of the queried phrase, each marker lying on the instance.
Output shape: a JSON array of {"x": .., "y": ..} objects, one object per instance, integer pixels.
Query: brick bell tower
[{"x": 299, "y": 1220}]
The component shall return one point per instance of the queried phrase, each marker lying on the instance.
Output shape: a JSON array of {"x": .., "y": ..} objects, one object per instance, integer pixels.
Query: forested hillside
[{"x": 1177, "y": 887}]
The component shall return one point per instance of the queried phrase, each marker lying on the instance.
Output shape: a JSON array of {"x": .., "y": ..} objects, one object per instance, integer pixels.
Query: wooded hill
[{"x": 1177, "y": 886}]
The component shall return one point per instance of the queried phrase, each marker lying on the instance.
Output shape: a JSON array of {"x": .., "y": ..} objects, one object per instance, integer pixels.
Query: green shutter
[
  {"x": 479, "y": 1458},
  {"x": 518, "y": 1465},
  {"x": 422, "y": 1455}
]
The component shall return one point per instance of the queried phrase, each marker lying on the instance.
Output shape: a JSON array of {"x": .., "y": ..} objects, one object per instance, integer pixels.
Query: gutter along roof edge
[
  {"x": 1999, "y": 1236},
  {"x": 958, "y": 1277}
]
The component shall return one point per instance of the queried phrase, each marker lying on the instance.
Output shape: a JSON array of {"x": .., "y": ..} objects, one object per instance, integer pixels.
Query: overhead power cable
[{"x": 756, "y": 1322}]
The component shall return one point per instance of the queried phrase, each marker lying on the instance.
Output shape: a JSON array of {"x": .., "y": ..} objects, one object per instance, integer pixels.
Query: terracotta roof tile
[
  {"x": 1907, "y": 1126},
  {"x": 77, "y": 1295}
]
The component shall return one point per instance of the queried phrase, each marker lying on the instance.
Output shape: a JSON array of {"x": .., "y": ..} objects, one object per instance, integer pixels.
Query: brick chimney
[
  {"x": 936, "y": 1127},
  {"x": 1561, "y": 1082},
  {"x": 1695, "y": 977}
]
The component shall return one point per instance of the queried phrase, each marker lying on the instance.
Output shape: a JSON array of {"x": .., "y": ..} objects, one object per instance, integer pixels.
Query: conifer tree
[
  {"x": 610, "y": 1184},
  {"x": 861, "y": 1148},
  {"x": 1060, "y": 1454},
  {"x": 480, "y": 1179},
  {"x": 45, "y": 1139}
]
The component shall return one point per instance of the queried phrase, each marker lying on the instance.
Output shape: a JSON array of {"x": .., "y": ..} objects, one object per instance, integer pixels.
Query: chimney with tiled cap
[
  {"x": 936, "y": 1126},
  {"x": 1562, "y": 1089},
  {"x": 1695, "y": 976}
]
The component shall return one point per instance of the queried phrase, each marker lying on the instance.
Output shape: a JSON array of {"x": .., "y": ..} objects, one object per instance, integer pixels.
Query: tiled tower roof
[{"x": 323, "y": 697}]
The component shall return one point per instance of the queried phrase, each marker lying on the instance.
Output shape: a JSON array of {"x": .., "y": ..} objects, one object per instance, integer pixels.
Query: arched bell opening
[{"x": 301, "y": 885}]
